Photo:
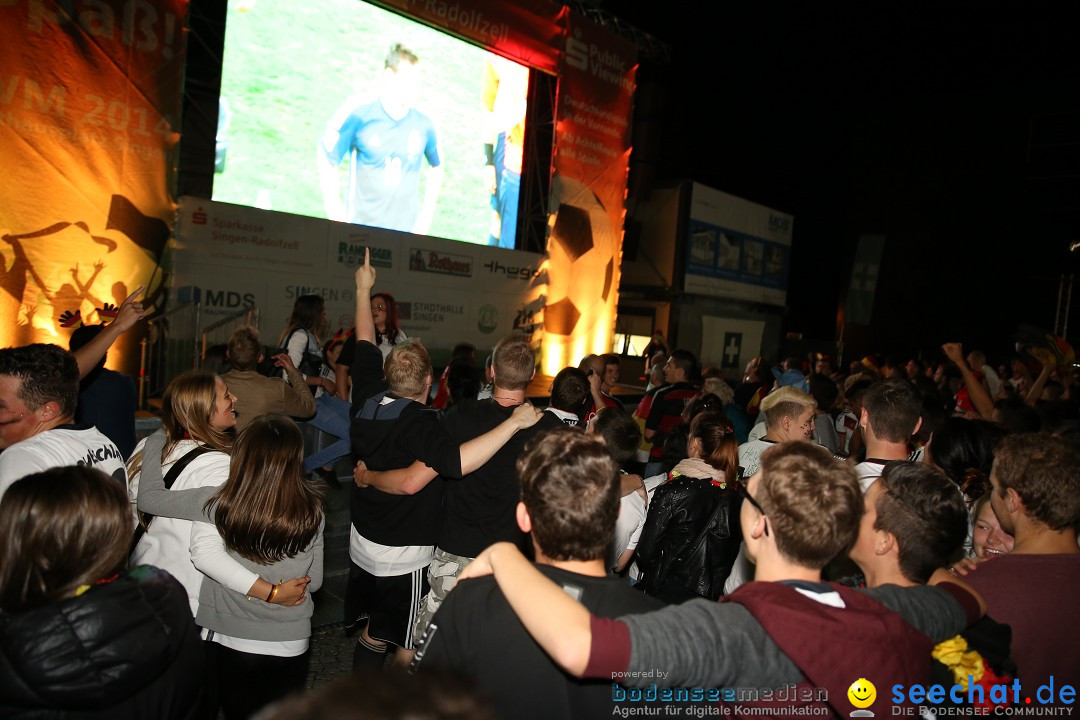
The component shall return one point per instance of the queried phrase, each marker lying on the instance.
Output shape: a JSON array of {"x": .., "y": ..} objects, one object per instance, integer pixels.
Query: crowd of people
[{"x": 775, "y": 545}]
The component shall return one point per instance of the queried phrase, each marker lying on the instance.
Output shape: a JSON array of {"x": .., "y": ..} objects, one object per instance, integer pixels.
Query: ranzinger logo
[{"x": 351, "y": 255}]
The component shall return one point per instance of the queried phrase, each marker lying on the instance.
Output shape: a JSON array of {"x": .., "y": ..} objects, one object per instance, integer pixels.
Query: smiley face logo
[{"x": 862, "y": 693}]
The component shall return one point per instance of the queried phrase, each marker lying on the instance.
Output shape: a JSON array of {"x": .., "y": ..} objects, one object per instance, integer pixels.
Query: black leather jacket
[
  {"x": 126, "y": 649},
  {"x": 691, "y": 537}
]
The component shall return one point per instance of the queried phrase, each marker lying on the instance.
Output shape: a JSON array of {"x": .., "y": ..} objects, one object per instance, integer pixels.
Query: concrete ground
[{"x": 331, "y": 651}]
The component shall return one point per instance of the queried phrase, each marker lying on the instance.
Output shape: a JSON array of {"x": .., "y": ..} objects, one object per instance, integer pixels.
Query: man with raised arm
[
  {"x": 800, "y": 510},
  {"x": 129, "y": 313},
  {"x": 479, "y": 508},
  {"x": 393, "y": 536},
  {"x": 39, "y": 389}
]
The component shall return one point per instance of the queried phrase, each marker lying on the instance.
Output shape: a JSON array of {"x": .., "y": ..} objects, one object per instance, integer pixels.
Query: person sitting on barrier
[
  {"x": 257, "y": 394},
  {"x": 691, "y": 538}
]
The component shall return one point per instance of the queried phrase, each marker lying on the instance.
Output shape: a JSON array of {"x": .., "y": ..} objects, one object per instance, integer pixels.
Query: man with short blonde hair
[
  {"x": 408, "y": 369},
  {"x": 789, "y": 415}
]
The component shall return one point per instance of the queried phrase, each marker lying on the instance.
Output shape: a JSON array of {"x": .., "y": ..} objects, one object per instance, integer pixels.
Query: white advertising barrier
[
  {"x": 447, "y": 292},
  {"x": 737, "y": 249}
]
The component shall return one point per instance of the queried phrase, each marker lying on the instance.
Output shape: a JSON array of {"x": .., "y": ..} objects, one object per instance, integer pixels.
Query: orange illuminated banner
[
  {"x": 90, "y": 97},
  {"x": 588, "y": 197}
]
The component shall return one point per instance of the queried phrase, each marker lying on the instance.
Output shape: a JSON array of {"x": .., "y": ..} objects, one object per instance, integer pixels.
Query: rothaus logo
[
  {"x": 779, "y": 222},
  {"x": 520, "y": 273},
  {"x": 429, "y": 261}
]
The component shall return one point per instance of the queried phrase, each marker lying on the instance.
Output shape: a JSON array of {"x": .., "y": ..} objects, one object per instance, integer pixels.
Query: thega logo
[{"x": 520, "y": 273}]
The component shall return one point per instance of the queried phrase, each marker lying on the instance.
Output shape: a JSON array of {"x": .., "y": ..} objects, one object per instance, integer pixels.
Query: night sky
[{"x": 954, "y": 132}]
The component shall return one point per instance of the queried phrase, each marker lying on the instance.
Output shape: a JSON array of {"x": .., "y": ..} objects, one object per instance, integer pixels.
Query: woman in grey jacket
[{"x": 269, "y": 517}]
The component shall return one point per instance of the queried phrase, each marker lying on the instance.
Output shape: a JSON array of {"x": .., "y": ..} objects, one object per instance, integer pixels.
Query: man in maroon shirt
[{"x": 1036, "y": 497}]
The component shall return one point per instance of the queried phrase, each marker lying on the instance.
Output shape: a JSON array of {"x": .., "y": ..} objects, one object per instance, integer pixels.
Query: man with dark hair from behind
[
  {"x": 622, "y": 437},
  {"x": 891, "y": 414},
  {"x": 462, "y": 356},
  {"x": 1036, "y": 497},
  {"x": 569, "y": 500},
  {"x": 257, "y": 394},
  {"x": 107, "y": 399},
  {"x": 915, "y": 523},
  {"x": 665, "y": 412},
  {"x": 39, "y": 390},
  {"x": 570, "y": 397}
]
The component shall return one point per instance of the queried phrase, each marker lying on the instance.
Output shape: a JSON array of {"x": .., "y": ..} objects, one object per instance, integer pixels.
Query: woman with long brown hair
[
  {"x": 691, "y": 534},
  {"x": 268, "y": 517},
  {"x": 79, "y": 635},
  {"x": 197, "y": 414}
]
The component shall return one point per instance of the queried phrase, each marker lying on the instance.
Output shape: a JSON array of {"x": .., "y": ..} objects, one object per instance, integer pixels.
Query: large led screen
[{"x": 339, "y": 109}]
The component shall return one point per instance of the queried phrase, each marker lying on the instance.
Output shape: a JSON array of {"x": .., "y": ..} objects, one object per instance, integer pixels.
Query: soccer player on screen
[{"x": 386, "y": 141}]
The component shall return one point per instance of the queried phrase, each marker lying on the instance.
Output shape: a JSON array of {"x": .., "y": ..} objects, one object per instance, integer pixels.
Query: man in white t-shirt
[
  {"x": 39, "y": 386},
  {"x": 789, "y": 415},
  {"x": 891, "y": 414}
]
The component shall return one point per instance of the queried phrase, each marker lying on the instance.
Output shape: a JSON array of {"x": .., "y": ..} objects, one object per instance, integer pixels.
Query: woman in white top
[
  {"x": 301, "y": 341},
  {"x": 306, "y": 325},
  {"x": 268, "y": 516},
  {"x": 197, "y": 412}
]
